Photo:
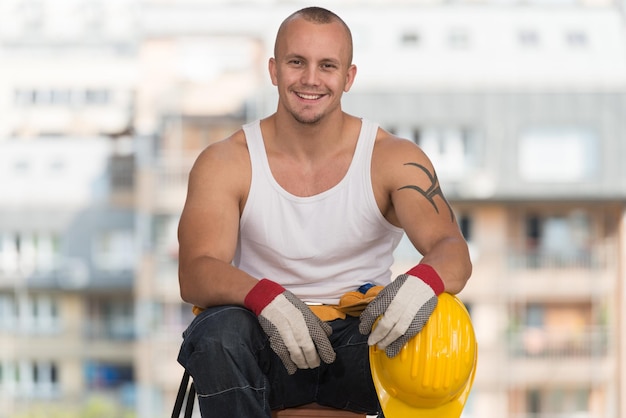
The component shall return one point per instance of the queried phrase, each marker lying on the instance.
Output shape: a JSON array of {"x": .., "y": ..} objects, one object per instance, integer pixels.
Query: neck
[{"x": 306, "y": 140}]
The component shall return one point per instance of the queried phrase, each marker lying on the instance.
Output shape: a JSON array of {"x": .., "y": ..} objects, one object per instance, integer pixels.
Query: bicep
[
  {"x": 419, "y": 202},
  {"x": 210, "y": 218}
]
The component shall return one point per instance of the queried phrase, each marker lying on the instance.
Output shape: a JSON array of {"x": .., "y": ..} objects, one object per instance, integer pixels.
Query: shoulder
[
  {"x": 391, "y": 153},
  {"x": 396, "y": 163},
  {"x": 228, "y": 152},
  {"x": 226, "y": 162}
]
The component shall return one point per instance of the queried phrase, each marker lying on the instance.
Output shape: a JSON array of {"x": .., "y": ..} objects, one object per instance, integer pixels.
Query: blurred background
[{"x": 105, "y": 104}]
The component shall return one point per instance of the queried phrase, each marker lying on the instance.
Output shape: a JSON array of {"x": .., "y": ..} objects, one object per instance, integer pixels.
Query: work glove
[
  {"x": 405, "y": 305},
  {"x": 296, "y": 335}
]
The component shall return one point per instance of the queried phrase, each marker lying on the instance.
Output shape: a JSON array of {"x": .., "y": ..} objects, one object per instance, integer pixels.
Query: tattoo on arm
[{"x": 432, "y": 191}]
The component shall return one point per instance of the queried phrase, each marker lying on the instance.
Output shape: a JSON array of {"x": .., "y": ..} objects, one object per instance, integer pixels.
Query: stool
[{"x": 314, "y": 410}]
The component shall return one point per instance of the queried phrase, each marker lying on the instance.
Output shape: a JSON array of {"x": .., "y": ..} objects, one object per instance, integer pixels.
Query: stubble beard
[
  {"x": 306, "y": 117},
  {"x": 311, "y": 120}
]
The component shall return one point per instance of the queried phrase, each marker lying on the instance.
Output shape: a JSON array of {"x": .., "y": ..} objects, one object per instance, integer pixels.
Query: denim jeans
[{"x": 236, "y": 373}]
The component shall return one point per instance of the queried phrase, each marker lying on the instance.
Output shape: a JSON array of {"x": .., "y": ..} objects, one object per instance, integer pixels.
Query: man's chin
[{"x": 308, "y": 119}]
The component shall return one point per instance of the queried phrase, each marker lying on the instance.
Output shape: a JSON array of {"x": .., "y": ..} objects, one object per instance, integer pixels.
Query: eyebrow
[{"x": 302, "y": 58}]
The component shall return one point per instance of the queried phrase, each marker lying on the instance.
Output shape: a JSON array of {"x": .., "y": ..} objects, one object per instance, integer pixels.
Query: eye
[{"x": 329, "y": 66}]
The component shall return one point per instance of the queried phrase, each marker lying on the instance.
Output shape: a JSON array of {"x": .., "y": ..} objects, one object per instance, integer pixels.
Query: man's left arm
[
  {"x": 417, "y": 204},
  {"x": 430, "y": 224}
]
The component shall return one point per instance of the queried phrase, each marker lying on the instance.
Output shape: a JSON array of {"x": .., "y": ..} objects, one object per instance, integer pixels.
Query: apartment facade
[
  {"x": 67, "y": 219},
  {"x": 519, "y": 107}
]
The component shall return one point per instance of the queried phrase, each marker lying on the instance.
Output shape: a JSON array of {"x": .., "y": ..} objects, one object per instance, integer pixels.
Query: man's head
[
  {"x": 312, "y": 64},
  {"x": 316, "y": 15}
]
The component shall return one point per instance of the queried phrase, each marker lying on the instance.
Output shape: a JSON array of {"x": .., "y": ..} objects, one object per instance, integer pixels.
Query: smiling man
[{"x": 287, "y": 217}]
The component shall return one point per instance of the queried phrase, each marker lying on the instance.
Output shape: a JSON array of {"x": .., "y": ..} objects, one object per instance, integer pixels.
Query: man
[{"x": 297, "y": 210}]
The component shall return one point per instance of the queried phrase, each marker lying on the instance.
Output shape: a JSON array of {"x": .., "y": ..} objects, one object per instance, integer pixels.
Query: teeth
[{"x": 309, "y": 96}]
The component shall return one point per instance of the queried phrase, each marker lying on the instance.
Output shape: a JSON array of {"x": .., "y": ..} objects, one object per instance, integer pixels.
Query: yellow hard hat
[{"x": 432, "y": 375}]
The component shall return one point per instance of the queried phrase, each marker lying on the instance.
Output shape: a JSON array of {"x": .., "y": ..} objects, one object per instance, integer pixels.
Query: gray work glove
[{"x": 404, "y": 306}]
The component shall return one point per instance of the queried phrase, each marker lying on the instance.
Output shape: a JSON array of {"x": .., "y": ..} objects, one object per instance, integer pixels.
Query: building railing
[
  {"x": 63, "y": 273},
  {"x": 541, "y": 343},
  {"x": 596, "y": 259},
  {"x": 110, "y": 329}
]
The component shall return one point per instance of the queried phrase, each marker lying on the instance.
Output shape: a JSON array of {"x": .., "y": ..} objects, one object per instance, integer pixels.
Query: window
[
  {"x": 110, "y": 319},
  {"x": 104, "y": 375},
  {"x": 31, "y": 378},
  {"x": 24, "y": 97},
  {"x": 21, "y": 167},
  {"x": 166, "y": 238},
  {"x": 559, "y": 240},
  {"x": 453, "y": 150},
  {"x": 28, "y": 252},
  {"x": 45, "y": 378},
  {"x": 114, "y": 250},
  {"x": 9, "y": 244},
  {"x": 61, "y": 97},
  {"x": 576, "y": 38},
  {"x": 576, "y": 151},
  {"x": 458, "y": 38},
  {"x": 96, "y": 97},
  {"x": 39, "y": 314},
  {"x": 528, "y": 38},
  {"x": 8, "y": 311},
  {"x": 410, "y": 39},
  {"x": 558, "y": 401}
]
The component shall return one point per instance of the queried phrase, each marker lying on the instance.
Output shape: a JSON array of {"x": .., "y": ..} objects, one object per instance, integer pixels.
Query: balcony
[
  {"x": 538, "y": 355},
  {"x": 597, "y": 259},
  {"x": 541, "y": 343},
  {"x": 64, "y": 273},
  {"x": 540, "y": 275}
]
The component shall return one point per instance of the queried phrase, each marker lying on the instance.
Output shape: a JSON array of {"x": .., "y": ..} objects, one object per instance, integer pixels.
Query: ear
[
  {"x": 350, "y": 75},
  {"x": 271, "y": 66}
]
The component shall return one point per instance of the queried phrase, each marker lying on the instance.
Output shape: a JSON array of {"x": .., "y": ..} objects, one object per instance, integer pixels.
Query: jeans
[{"x": 236, "y": 373}]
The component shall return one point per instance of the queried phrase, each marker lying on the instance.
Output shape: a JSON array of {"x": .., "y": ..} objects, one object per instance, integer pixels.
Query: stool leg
[
  {"x": 191, "y": 397},
  {"x": 183, "y": 393}
]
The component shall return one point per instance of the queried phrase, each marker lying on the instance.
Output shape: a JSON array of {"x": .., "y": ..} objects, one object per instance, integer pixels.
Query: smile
[{"x": 309, "y": 96}]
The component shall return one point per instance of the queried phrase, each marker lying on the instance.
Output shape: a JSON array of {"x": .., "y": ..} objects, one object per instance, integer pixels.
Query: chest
[{"x": 309, "y": 178}]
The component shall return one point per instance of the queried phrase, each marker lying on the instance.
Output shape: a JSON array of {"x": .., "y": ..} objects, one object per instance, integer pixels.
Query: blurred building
[
  {"x": 67, "y": 216},
  {"x": 519, "y": 104}
]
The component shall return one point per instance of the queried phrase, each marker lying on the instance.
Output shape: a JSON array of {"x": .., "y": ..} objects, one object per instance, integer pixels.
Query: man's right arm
[
  {"x": 209, "y": 225},
  {"x": 207, "y": 235}
]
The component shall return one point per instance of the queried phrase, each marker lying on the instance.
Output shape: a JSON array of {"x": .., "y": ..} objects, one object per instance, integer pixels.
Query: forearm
[
  {"x": 207, "y": 281},
  {"x": 450, "y": 258}
]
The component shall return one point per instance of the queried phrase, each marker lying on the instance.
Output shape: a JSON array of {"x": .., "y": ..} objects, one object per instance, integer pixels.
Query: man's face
[{"x": 312, "y": 69}]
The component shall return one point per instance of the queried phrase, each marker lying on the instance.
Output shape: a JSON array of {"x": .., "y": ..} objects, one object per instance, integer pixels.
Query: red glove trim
[
  {"x": 261, "y": 295},
  {"x": 428, "y": 276}
]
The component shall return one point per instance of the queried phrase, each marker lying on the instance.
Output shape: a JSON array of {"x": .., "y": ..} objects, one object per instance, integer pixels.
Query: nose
[{"x": 310, "y": 76}]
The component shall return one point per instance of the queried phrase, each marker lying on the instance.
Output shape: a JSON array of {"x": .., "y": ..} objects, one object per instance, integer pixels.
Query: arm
[
  {"x": 209, "y": 225},
  {"x": 408, "y": 193},
  {"x": 427, "y": 218},
  {"x": 208, "y": 232}
]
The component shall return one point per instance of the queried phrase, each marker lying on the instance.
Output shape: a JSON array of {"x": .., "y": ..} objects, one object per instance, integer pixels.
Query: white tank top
[{"x": 318, "y": 247}]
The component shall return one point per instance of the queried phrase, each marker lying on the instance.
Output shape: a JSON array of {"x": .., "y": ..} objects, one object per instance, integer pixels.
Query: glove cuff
[
  {"x": 261, "y": 295},
  {"x": 429, "y": 276}
]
